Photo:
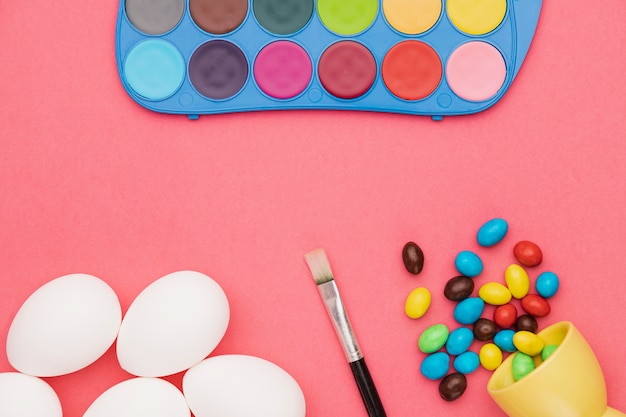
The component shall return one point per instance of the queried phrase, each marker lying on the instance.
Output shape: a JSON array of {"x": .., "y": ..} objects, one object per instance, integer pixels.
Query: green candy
[
  {"x": 547, "y": 351},
  {"x": 433, "y": 338},
  {"x": 522, "y": 365}
]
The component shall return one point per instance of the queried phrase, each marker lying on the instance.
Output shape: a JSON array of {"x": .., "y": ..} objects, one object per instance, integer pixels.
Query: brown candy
[
  {"x": 452, "y": 386},
  {"x": 458, "y": 288},
  {"x": 413, "y": 258},
  {"x": 484, "y": 329},
  {"x": 526, "y": 322}
]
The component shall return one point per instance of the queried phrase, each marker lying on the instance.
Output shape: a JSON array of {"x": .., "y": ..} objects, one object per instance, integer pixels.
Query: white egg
[
  {"x": 173, "y": 324},
  {"x": 242, "y": 386},
  {"x": 27, "y": 396},
  {"x": 64, "y": 326},
  {"x": 137, "y": 397}
]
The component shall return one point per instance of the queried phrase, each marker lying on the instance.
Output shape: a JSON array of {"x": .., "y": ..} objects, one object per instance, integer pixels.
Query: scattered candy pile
[{"x": 505, "y": 332}]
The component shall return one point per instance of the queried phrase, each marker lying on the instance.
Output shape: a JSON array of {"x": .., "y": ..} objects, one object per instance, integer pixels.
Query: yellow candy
[
  {"x": 490, "y": 356},
  {"x": 517, "y": 280},
  {"x": 528, "y": 342},
  {"x": 494, "y": 293},
  {"x": 417, "y": 303}
]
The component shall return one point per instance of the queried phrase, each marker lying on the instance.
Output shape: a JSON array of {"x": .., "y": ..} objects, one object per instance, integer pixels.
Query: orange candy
[
  {"x": 505, "y": 316},
  {"x": 535, "y": 305},
  {"x": 527, "y": 253}
]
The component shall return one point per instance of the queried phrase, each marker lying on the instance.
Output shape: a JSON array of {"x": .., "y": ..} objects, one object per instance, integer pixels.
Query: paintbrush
[{"x": 323, "y": 277}]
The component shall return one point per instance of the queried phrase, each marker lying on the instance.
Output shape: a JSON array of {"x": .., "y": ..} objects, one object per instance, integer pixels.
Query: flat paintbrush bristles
[{"x": 319, "y": 266}]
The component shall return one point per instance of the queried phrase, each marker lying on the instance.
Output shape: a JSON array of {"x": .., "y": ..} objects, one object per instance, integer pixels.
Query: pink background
[{"x": 91, "y": 182}]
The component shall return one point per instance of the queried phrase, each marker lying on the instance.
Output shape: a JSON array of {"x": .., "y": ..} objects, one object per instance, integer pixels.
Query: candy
[
  {"x": 547, "y": 284},
  {"x": 459, "y": 341},
  {"x": 433, "y": 338},
  {"x": 547, "y": 351},
  {"x": 484, "y": 329},
  {"x": 517, "y": 280},
  {"x": 458, "y": 288},
  {"x": 528, "y": 343},
  {"x": 494, "y": 293},
  {"x": 492, "y": 232},
  {"x": 467, "y": 362},
  {"x": 535, "y": 305},
  {"x": 413, "y": 258},
  {"x": 490, "y": 356},
  {"x": 497, "y": 331},
  {"x": 505, "y": 315},
  {"x": 452, "y": 386},
  {"x": 417, "y": 302},
  {"x": 521, "y": 365},
  {"x": 526, "y": 322},
  {"x": 527, "y": 253},
  {"x": 504, "y": 340},
  {"x": 468, "y": 264},
  {"x": 435, "y": 366},
  {"x": 469, "y": 310}
]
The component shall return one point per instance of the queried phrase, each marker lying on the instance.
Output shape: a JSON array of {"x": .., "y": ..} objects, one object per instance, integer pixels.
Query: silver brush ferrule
[{"x": 337, "y": 312}]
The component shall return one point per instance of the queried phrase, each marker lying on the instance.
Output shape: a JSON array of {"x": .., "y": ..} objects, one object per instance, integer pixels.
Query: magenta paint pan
[{"x": 283, "y": 69}]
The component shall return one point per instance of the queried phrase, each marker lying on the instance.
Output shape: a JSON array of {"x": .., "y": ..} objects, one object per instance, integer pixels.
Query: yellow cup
[{"x": 569, "y": 383}]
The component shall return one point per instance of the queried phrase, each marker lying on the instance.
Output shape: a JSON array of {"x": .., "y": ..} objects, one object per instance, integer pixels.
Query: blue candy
[
  {"x": 468, "y": 264},
  {"x": 547, "y": 284},
  {"x": 435, "y": 366},
  {"x": 492, "y": 232},
  {"x": 504, "y": 340},
  {"x": 467, "y": 362},
  {"x": 469, "y": 310},
  {"x": 459, "y": 340}
]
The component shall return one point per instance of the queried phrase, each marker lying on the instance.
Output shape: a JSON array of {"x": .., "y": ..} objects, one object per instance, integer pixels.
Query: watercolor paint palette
[{"x": 422, "y": 57}]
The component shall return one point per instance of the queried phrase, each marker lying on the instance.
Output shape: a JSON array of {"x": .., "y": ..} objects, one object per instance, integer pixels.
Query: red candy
[
  {"x": 535, "y": 305},
  {"x": 527, "y": 253},
  {"x": 505, "y": 316}
]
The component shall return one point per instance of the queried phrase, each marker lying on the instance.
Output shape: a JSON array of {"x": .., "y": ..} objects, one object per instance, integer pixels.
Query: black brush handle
[{"x": 367, "y": 389}]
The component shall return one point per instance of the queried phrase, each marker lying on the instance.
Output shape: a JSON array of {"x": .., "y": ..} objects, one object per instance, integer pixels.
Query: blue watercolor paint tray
[{"x": 427, "y": 57}]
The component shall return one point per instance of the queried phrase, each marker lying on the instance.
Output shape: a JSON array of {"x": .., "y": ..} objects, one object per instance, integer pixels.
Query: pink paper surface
[{"x": 93, "y": 183}]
